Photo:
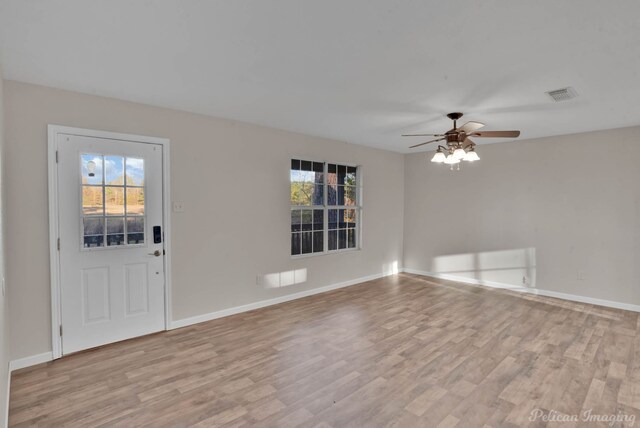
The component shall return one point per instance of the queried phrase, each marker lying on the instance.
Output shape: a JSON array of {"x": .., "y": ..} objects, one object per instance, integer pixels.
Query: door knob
[{"x": 156, "y": 253}]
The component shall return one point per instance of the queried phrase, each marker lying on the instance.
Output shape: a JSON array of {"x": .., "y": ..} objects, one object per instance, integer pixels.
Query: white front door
[{"x": 111, "y": 240}]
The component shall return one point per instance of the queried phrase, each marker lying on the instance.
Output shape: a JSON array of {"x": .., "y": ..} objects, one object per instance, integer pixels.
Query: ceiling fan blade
[
  {"x": 496, "y": 134},
  {"x": 469, "y": 127},
  {"x": 469, "y": 142},
  {"x": 427, "y": 142},
  {"x": 422, "y": 135}
]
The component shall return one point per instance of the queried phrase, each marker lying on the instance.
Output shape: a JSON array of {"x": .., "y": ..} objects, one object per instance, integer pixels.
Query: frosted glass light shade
[
  {"x": 459, "y": 153},
  {"x": 439, "y": 157},
  {"x": 451, "y": 160},
  {"x": 471, "y": 156}
]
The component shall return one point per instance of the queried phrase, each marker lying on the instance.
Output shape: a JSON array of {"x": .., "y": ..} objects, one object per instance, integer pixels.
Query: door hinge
[
  {"x": 56, "y": 156},
  {"x": 60, "y": 330},
  {"x": 58, "y": 244}
]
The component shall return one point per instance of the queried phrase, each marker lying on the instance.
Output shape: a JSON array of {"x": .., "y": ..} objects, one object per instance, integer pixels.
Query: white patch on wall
[
  {"x": 283, "y": 279},
  {"x": 390, "y": 268},
  {"x": 517, "y": 266}
]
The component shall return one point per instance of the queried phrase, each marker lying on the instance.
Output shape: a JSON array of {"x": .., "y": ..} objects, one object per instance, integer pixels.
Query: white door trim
[{"x": 53, "y": 132}]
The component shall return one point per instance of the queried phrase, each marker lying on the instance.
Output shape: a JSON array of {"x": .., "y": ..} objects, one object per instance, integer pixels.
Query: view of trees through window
[
  {"x": 112, "y": 200},
  {"x": 324, "y": 207}
]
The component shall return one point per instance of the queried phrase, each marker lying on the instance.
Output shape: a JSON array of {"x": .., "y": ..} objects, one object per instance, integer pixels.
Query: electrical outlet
[
  {"x": 582, "y": 275},
  {"x": 178, "y": 207},
  {"x": 525, "y": 280}
]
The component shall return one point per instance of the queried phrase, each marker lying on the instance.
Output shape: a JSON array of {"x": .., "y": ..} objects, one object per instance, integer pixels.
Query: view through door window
[{"x": 113, "y": 208}]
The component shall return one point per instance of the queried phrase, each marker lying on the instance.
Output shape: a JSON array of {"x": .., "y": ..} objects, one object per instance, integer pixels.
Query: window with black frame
[{"x": 325, "y": 208}]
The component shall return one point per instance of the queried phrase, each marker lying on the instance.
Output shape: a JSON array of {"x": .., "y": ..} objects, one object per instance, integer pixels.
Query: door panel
[
  {"x": 137, "y": 289},
  {"x": 95, "y": 295},
  {"x": 111, "y": 271}
]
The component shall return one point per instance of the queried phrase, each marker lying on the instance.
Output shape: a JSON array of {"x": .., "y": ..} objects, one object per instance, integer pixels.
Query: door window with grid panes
[
  {"x": 113, "y": 204},
  {"x": 325, "y": 207}
]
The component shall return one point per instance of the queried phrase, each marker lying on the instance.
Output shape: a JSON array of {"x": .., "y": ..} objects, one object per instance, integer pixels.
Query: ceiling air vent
[{"x": 563, "y": 94}]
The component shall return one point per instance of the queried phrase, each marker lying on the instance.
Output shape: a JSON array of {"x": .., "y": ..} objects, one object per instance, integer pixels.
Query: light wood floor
[{"x": 403, "y": 351}]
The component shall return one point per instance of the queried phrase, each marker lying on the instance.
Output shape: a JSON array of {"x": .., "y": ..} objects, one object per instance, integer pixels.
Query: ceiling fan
[{"x": 458, "y": 144}]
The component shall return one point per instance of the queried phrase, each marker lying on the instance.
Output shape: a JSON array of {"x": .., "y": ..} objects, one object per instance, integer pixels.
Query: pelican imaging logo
[{"x": 586, "y": 416}]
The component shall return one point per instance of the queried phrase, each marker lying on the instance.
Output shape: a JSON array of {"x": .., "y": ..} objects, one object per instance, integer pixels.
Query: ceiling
[{"x": 361, "y": 71}]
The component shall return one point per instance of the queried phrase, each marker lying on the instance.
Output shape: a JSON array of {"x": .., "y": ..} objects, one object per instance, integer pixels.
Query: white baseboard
[
  {"x": 521, "y": 289},
  {"x": 32, "y": 360},
  {"x": 264, "y": 303}
]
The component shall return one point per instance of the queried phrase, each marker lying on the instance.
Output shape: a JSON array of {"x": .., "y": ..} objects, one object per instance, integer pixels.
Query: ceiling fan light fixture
[
  {"x": 459, "y": 147},
  {"x": 459, "y": 153},
  {"x": 439, "y": 157},
  {"x": 471, "y": 156},
  {"x": 451, "y": 160}
]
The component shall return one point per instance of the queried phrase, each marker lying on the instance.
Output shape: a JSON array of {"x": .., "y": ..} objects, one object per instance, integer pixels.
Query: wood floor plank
[{"x": 401, "y": 351}]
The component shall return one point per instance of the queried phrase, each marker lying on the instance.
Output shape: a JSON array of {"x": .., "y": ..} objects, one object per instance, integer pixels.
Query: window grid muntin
[
  {"x": 357, "y": 208},
  {"x": 105, "y": 216}
]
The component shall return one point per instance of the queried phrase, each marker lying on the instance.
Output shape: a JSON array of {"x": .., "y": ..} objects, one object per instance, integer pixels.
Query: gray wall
[
  {"x": 562, "y": 211},
  {"x": 232, "y": 177}
]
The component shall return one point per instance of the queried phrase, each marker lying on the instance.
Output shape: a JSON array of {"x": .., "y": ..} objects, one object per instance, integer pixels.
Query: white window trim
[{"x": 325, "y": 207}]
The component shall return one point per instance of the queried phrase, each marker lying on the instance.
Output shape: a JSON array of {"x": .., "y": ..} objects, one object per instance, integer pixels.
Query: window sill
[{"x": 325, "y": 253}]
